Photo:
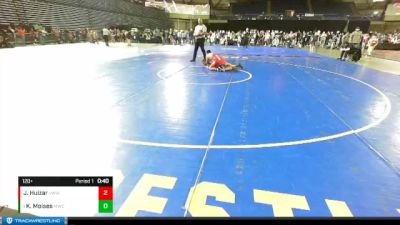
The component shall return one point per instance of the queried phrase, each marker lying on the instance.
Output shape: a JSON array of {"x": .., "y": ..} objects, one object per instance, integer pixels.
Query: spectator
[
  {"x": 372, "y": 43},
  {"x": 106, "y": 35},
  {"x": 356, "y": 38},
  {"x": 33, "y": 35},
  {"x": 21, "y": 34}
]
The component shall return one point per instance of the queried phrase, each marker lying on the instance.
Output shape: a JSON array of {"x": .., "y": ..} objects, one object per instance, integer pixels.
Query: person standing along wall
[
  {"x": 356, "y": 38},
  {"x": 191, "y": 36},
  {"x": 21, "y": 34},
  {"x": 106, "y": 35},
  {"x": 372, "y": 43}
]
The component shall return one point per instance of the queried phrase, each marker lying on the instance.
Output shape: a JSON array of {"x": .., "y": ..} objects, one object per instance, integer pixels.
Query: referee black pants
[
  {"x": 105, "y": 39},
  {"x": 199, "y": 43}
]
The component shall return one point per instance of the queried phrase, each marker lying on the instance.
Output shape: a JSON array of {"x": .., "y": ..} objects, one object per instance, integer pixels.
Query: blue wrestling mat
[{"x": 292, "y": 134}]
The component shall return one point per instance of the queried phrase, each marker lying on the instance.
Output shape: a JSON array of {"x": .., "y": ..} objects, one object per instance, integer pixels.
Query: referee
[{"x": 199, "y": 34}]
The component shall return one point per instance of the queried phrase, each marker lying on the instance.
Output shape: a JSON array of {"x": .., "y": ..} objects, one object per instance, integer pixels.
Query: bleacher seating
[
  {"x": 7, "y": 12},
  {"x": 279, "y": 7},
  {"x": 56, "y": 15},
  {"x": 332, "y": 7},
  {"x": 74, "y": 14},
  {"x": 256, "y": 7}
]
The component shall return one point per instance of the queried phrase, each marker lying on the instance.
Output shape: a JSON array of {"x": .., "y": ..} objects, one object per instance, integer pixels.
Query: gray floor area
[{"x": 384, "y": 65}]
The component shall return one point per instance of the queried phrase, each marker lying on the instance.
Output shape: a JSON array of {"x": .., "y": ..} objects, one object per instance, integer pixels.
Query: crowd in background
[
  {"x": 40, "y": 34},
  {"x": 272, "y": 38},
  {"x": 326, "y": 39},
  {"x": 24, "y": 34},
  {"x": 171, "y": 36},
  {"x": 329, "y": 39}
]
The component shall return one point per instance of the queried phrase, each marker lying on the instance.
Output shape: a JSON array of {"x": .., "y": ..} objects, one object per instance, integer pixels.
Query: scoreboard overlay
[{"x": 53, "y": 196}]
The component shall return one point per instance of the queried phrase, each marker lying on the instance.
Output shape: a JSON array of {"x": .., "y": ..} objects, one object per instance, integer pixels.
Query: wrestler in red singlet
[{"x": 217, "y": 61}]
